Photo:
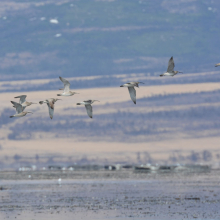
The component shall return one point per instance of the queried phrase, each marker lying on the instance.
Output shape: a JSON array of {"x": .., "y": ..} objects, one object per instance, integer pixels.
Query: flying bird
[
  {"x": 88, "y": 106},
  {"x": 19, "y": 110},
  {"x": 50, "y": 104},
  {"x": 131, "y": 89},
  {"x": 23, "y": 101},
  {"x": 66, "y": 89},
  {"x": 218, "y": 64},
  {"x": 170, "y": 69}
]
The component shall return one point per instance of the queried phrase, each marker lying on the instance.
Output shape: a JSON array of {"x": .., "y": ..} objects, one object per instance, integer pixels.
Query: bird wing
[
  {"x": 132, "y": 92},
  {"x": 22, "y": 98},
  {"x": 171, "y": 65},
  {"x": 51, "y": 104},
  {"x": 89, "y": 110},
  {"x": 51, "y": 110},
  {"x": 18, "y": 107},
  {"x": 66, "y": 84},
  {"x": 88, "y": 102}
]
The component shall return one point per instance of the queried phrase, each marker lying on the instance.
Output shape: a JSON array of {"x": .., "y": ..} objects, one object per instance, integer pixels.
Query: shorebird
[
  {"x": 170, "y": 71},
  {"x": 131, "y": 89},
  {"x": 23, "y": 101},
  {"x": 66, "y": 89},
  {"x": 218, "y": 64},
  {"x": 19, "y": 110},
  {"x": 50, "y": 104},
  {"x": 88, "y": 106}
]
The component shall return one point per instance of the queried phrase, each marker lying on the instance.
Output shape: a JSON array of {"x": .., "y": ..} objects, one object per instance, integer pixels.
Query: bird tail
[
  {"x": 41, "y": 102},
  {"x": 11, "y": 116},
  {"x": 58, "y": 94},
  {"x": 161, "y": 75},
  {"x": 78, "y": 103}
]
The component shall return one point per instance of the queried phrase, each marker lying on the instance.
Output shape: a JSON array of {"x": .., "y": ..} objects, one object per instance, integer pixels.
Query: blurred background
[{"x": 99, "y": 45}]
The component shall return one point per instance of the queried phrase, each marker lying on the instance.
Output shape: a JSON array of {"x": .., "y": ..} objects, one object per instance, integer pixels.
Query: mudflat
[{"x": 39, "y": 195}]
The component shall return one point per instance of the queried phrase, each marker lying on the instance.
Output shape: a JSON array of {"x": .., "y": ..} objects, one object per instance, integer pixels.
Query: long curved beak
[
  {"x": 33, "y": 103},
  {"x": 180, "y": 72},
  {"x": 30, "y": 112},
  {"x": 59, "y": 99},
  {"x": 97, "y": 100},
  {"x": 142, "y": 82}
]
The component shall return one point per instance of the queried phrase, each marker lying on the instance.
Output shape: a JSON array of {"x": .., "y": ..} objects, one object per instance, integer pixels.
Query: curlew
[
  {"x": 131, "y": 89},
  {"x": 23, "y": 101},
  {"x": 170, "y": 71},
  {"x": 217, "y": 64},
  {"x": 66, "y": 89},
  {"x": 88, "y": 106},
  {"x": 19, "y": 110},
  {"x": 50, "y": 103}
]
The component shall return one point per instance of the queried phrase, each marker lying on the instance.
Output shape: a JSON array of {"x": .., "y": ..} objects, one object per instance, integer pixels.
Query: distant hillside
[{"x": 44, "y": 39}]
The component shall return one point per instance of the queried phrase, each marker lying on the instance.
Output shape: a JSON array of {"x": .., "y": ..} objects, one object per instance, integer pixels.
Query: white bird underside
[
  {"x": 131, "y": 84},
  {"x": 132, "y": 93},
  {"x": 169, "y": 74},
  {"x": 86, "y": 102},
  {"x": 17, "y": 115},
  {"x": 65, "y": 94}
]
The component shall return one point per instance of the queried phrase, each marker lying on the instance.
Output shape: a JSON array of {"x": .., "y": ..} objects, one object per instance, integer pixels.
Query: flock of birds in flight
[{"x": 20, "y": 107}]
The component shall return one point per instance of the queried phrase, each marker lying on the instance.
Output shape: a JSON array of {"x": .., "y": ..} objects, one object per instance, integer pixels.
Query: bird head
[
  {"x": 95, "y": 101},
  {"x": 137, "y": 84},
  {"x": 28, "y": 112},
  {"x": 56, "y": 100}
]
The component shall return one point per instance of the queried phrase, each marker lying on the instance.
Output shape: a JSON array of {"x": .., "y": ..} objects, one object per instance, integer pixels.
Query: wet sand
[{"x": 109, "y": 195}]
